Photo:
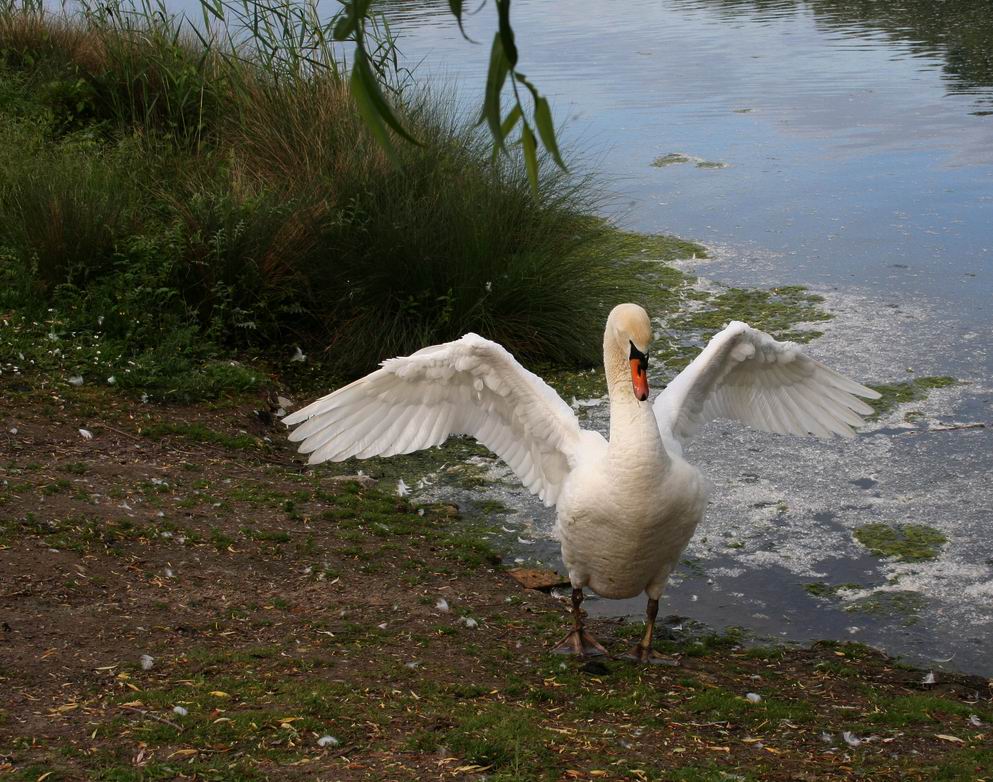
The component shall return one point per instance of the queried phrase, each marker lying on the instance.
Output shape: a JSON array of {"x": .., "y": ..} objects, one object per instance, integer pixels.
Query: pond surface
[
  {"x": 857, "y": 149},
  {"x": 857, "y": 137}
]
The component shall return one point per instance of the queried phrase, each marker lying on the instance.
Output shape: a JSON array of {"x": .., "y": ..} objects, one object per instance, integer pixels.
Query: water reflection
[{"x": 958, "y": 31}]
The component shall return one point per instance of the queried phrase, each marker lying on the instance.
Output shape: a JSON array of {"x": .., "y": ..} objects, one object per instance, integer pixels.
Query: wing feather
[
  {"x": 470, "y": 386},
  {"x": 745, "y": 374}
]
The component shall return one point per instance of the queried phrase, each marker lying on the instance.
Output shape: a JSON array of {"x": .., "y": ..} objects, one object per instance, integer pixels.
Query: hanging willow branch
[{"x": 381, "y": 118}]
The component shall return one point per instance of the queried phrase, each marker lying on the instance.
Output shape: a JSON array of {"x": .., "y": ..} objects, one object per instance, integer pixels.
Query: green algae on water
[
  {"x": 777, "y": 311},
  {"x": 893, "y": 394},
  {"x": 672, "y": 159},
  {"x": 677, "y": 158},
  {"x": 825, "y": 590},
  {"x": 905, "y": 604},
  {"x": 905, "y": 542}
]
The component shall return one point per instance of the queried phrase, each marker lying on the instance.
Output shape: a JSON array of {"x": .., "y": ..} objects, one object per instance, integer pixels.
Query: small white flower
[
  {"x": 975, "y": 721},
  {"x": 753, "y": 697},
  {"x": 180, "y": 710},
  {"x": 76, "y": 380},
  {"x": 99, "y": 320},
  {"x": 469, "y": 622},
  {"x": 327, "y": 741},
  {"x": 147, "y": 661},
  {"x": 442, "y": 604},
  {"x": 412, "y": 664},
  {"x": 13, "y": 430},
  {"x": 144, "y": 398},
  {"x": 382, "y": 626},
  {"x": 929, "y": 678},
  {"x": 86, "y": 433},
  {"x": 826, "y": 737},
  {"x": 402, "y": 488},
  {"x": 111, "y": 380},
  {"x": 169, "y": 573},
  {"x": 489, "y": 287},
  {"x": 298, "y": 355},
  {"x": 851, "y": 739}
]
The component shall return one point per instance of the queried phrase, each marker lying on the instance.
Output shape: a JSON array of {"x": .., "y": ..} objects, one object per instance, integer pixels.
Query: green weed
[{"x": 905, "y": 542}]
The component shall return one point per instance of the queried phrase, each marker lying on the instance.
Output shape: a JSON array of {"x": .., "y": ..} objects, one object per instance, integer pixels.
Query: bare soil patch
[{"x": 181, "y": 599}]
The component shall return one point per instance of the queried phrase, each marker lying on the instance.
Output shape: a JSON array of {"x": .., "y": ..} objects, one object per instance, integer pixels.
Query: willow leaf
[
  {"x": 530, "y": 156},
  {"x": 370, "y": 114},
  {"x": 506, "y": 32},
  {"x": 543, "y": 119}
]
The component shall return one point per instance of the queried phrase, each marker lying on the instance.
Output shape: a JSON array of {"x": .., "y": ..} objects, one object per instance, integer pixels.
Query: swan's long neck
[{"x": 634, "y": 432}]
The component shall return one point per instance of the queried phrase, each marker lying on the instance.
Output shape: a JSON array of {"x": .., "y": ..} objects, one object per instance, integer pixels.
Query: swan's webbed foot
[
  {"x": 580, "y": 643},
  {"x": 642, "y": 652},
  {"x": 647, "y": 656}
]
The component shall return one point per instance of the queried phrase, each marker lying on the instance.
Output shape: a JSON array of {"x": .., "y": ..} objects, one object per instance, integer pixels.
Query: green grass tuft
[{"x": 164, "y": 202}]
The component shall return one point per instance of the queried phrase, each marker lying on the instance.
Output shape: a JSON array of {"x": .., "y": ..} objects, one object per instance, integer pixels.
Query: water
[
  {"x": 858, "y": 143},
  {"x": 853, "y": 144}
]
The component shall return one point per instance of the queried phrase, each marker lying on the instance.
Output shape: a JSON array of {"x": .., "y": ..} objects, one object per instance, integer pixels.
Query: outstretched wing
[
  {"x": 745, "y": 374},
  {"x": 470, "y": 386}
]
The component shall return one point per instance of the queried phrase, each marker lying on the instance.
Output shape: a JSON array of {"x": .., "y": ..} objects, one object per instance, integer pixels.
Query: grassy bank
[
  {"x": 297, "y": 627},
  {"x": 167, "y": 200}
]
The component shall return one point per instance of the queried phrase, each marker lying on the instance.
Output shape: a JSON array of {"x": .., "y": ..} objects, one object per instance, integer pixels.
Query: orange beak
[{"x": 639, "y": 379}]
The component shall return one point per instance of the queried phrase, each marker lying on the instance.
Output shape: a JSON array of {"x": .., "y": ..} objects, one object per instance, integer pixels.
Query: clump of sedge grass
[{"x": 223, "y": 180}]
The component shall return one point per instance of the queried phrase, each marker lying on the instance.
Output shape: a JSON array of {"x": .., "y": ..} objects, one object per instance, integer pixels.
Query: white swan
[{"x": 627, "y": 506}]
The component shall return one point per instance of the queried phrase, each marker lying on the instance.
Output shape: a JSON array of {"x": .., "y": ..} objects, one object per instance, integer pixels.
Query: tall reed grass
[{"x": 225, "y": 162}]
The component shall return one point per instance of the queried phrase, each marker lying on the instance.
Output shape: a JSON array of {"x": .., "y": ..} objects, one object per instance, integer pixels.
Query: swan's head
[{"x": 631, "y": 330}]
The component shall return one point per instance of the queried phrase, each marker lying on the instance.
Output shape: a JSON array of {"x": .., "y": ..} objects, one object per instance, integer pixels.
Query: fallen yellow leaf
[
  {"x": 184, "y": 753},
  {"x": 946, "y": 737},
  {"x": 219, "y": 694}
]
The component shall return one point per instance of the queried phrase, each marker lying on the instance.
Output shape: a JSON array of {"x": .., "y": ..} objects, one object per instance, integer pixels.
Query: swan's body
[{"x": 627, "y": 506}]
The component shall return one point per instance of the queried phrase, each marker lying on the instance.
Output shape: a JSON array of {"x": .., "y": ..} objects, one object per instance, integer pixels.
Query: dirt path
[{"x": 180, "y": 599}]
